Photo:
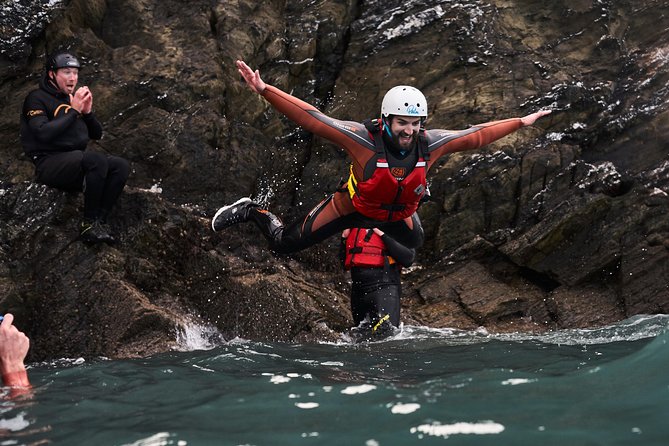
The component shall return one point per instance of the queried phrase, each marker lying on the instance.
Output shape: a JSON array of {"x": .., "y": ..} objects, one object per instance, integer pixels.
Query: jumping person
[
  {"x": 375, "y": 261},
  {"x": 390, "y": 158},
  {"x": 57, "y": 123}
]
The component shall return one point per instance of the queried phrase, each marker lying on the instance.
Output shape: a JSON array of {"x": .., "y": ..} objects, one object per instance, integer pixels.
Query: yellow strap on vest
[{"x": 352, "y": 183}]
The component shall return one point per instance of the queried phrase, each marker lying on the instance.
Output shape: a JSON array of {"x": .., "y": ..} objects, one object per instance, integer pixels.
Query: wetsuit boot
[
  {"x": 237, "y": 212},
  {"x": 94, "y": 232},
  {"x": 104, "y": 213},
  {"x": 381, "y": 326}
]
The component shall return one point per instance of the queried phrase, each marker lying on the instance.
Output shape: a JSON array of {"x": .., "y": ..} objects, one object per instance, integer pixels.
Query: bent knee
[{"x": 121, "y": 165}]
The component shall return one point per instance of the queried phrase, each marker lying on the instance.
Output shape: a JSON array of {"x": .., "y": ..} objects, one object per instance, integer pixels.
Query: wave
[{"x": 632, "y": 329}]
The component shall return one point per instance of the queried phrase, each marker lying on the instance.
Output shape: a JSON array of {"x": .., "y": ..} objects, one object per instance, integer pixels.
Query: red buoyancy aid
[
  {"x": 365, "y": 248},
  {"x": 382, "y": 197}
]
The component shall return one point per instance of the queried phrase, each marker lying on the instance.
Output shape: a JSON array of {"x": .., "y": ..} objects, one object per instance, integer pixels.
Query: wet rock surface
[{"x": 560, "y": 225}]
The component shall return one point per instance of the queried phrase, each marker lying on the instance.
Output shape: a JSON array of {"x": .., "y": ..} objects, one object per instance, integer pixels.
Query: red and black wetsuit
[
  {"x": 55, "y": 136},
  {"x": 359, "y": 205},
  {"x": 375, "y": 263}
]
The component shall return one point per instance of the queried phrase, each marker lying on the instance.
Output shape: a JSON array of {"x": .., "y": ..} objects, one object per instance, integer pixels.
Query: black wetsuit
[
  {"x": 376, "y": 291},
  {"x": 55, "y": 136}
]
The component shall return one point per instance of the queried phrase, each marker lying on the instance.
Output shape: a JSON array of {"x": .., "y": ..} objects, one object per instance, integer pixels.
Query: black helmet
[{"x": 61, "y": 59}]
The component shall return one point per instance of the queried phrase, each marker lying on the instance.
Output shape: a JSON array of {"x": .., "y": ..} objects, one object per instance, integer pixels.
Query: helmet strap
[{"x": 386, "y": 126}]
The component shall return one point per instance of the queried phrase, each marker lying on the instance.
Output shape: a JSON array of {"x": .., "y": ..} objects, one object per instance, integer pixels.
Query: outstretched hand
[
  {"x": 251, "y": 77},
  {"x": 14, "y": 347},
  {"x": 531, "y": 118}
]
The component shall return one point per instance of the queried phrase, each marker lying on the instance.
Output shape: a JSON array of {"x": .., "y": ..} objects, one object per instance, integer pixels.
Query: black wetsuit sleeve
[
  {"x": 93, "y": 125},
  {"x": 402, "y": 255},
  {"x": 46, "y": 131}
]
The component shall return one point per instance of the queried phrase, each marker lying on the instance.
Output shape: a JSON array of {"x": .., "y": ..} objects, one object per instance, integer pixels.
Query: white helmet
[{"x": 405, "y": 101}]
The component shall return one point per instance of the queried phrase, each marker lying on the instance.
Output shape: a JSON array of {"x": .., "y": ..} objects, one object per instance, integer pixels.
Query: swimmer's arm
[
  {"x": 402, "y": 255},
  {"x": 14, "y": 347}
]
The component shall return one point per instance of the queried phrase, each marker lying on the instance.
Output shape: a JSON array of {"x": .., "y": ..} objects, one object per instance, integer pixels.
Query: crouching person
[{"x": 57, "y": 122}]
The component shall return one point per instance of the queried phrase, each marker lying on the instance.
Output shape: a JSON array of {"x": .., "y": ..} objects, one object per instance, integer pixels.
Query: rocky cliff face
[{"x": 556, "y": 226}]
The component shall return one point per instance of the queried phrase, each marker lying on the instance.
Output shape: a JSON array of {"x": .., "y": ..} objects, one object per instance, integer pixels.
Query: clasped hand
[{"x": 82, "y": 100}]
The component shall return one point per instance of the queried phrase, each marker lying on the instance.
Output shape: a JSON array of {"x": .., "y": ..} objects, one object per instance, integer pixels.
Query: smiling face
[
  {"x": 404, "y": 131},
  {"x": 66, "y": 79}
]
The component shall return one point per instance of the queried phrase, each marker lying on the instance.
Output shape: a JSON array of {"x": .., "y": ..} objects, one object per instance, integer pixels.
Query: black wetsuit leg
[
  {"x": 299, "y": 234},
  {"x": 118, "y": 170},
  {"x": 61, "y": 170},
  {"x": 376, "y": 292},
  {"x": 90, "y": 172}
]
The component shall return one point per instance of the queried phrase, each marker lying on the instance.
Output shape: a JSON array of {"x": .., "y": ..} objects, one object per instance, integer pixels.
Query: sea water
[{"x": 607, "y": 386}]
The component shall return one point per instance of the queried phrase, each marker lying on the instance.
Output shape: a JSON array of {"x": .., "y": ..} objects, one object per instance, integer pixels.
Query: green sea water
[{"x": 608, "y": 386}]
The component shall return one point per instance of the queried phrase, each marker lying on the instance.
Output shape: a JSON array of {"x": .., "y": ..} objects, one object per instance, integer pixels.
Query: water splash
[
  {"x": 197, "y": 336},
  {"x": 632, "y": 329}
]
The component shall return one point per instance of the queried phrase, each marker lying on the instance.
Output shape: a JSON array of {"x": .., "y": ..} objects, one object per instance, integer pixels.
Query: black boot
[
  {"x": 237, "y": 212},
  {"x": 95, "y": 232}
]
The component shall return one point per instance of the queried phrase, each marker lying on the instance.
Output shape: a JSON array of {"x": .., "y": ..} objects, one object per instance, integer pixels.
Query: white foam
[
  {"x": 159, "y": 439},
  {"x": 517, "y": 381},
  {"x": 17, "y": 423},
  {"x": 195, "y": 336},
  {"x": 353, "y": 390},
  {"x": 335, "y": 363},
  {"x": 404, "y": 409},
  {"x": 444, "y": 430},
  {"x": 309, "y": 405},
  {"x": 279, "y": 379}
]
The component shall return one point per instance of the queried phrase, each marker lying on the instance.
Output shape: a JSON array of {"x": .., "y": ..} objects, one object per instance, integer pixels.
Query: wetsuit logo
[
  {"x": 398, "y": 172},
  {"x": 64, "y": 107},
  {"x": 33, "y": 113},
  {"x": 344, "y": 126}
]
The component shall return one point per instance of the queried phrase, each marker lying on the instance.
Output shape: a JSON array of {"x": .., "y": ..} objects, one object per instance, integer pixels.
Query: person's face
[
  {"x": 66, "y": 79},
  {"x": 405, "y": 131}
]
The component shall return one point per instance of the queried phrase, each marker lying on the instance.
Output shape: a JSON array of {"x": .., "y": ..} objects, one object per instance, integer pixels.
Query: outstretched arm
[
  {"x": 351, "y": 136},
  {"x": 14, "y": 347},
  {"x": 441, "y": 142},
  {"x": 531, "y": 118},
  {"x": 251, "y": 77}
]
